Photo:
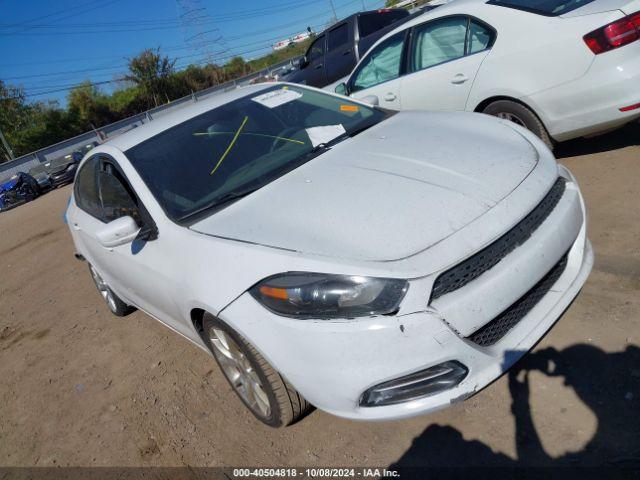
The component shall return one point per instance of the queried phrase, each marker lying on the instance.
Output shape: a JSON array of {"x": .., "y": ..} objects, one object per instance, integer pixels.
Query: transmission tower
[{"x": 199, "y": 30}]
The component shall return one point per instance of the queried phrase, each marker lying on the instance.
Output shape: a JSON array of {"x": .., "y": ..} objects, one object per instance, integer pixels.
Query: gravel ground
[{"x": 81, "y": 387}]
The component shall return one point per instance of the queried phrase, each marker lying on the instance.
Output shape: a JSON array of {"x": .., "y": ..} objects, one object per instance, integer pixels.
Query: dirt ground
[{"x": 81, "y": 387}]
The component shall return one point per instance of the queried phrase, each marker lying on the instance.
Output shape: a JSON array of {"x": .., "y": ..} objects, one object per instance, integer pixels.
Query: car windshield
[
  {"x": 543, "y": 7},
  {"x": 234, "y": 149}
]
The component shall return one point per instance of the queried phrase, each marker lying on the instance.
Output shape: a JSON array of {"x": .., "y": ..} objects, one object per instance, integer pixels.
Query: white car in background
[
  {"x": 561, "y": 68},
  {"x": 375, "y": 264}
]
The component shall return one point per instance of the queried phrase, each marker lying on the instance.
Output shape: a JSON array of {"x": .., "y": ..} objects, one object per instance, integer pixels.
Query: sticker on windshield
[
  {"x": 276, "y": 98},
  {"x": 324, "y": 134}
]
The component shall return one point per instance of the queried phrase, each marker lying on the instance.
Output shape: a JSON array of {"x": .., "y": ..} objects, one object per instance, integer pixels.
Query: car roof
[
  {"x": 359, "y": 14},
  {"x": 181, "y": 114}
]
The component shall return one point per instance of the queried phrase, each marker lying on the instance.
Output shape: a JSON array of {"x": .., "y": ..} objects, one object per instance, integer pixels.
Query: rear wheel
[
  {"x": 115, "y": 304},
  {"x": 520, "y": 115},
  {"x": 262, "y": 389}
]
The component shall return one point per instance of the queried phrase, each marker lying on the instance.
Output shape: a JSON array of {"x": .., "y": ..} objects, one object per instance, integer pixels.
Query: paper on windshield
[
  {"x": 275, "y": 98},
  {"x": 324, "y": 134}
]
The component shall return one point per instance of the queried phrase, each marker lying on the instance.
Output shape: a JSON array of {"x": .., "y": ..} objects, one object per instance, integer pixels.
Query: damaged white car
[{"x": 374, "y": 264}]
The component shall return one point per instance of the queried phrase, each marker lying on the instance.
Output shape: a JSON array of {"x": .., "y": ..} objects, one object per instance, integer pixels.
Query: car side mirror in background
[
  {"x": 371, "y": 100},
  {"x": 118, "y": 232},
  {"x": 342, "y": 89},
  {"x": 304, "y": 62}
]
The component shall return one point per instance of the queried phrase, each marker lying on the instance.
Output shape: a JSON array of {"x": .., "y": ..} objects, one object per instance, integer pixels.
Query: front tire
[
  {"x": 114, "y": 303},
  {"x": 520, "y": 115},
  {"x": 270, "y": 398}
]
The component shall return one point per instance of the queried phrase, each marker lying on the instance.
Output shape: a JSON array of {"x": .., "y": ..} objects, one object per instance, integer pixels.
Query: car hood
[{"x": 386, "y": 194}]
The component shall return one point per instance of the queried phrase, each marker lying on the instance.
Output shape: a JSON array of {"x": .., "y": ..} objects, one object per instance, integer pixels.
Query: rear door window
[
  {"x": 438, "y": 42},
  {"x": 480, "y": 37},
  {"x": 338, "y": 37}
]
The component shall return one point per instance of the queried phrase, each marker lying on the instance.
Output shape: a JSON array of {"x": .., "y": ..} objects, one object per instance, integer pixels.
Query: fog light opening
[{"x": 430, "y": 381}]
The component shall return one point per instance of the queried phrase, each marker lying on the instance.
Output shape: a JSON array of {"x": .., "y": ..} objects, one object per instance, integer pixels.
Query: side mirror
[
  {"x": 371, "y": 100},
  {"x": 118, "y": 232},
  {"x": 304, "y": 62},
  {"x": 342, "y": 89}
]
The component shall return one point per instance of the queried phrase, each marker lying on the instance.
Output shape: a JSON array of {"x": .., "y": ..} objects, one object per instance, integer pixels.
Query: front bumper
[{"x": 332, "y": 363}]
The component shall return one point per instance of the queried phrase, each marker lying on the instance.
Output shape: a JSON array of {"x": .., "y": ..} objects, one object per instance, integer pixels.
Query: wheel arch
[
  {"x": 197, "y": 316},
  {"x": 488, "y": 101}
]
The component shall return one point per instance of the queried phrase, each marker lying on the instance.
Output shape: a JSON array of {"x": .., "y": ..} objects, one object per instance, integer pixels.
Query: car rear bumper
[
  {"x": 332, "y": 363},
  {"x": 592, "y": 103}
]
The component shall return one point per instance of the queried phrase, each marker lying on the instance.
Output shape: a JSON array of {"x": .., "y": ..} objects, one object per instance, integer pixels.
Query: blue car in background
[{"x": 19, "y": 189}]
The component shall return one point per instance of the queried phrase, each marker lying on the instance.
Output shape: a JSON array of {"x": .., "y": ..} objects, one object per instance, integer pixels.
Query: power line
[
  {"x": 26, "y": 25},
  {"x": 116, "y": 67},
  {"x": 91, "y": 29},
  {"x": 170, "y": 48},
  {"x": 172, "y": 23},
  {"x": 34, "y": 91}
]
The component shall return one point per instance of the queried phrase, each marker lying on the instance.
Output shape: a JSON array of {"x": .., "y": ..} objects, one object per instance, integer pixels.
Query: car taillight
[{"x": 614, "y": 35}]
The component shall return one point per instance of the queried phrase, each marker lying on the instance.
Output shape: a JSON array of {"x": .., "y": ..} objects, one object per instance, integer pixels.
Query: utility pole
[
  {"x": 6, "y": 145},
  {"x": 333, "y": 9},
  {"x": 199, "y": 31}
]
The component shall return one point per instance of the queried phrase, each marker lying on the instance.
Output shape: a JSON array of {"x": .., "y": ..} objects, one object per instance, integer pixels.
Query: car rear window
[
  {"x": 550, "y": 8},
  {"x": 369, "y": 23}
]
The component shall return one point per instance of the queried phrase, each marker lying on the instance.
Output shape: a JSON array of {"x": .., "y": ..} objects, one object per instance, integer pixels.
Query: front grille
[
  {"x": 499, "y": 326},
  {"x": 463, "y": 273}
]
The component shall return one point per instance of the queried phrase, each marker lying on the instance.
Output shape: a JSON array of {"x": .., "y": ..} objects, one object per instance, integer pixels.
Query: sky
[{"x": 48, "y": 46}]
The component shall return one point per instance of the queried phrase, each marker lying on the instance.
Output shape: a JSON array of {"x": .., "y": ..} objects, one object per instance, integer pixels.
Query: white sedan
[
  {"x": 374, "y": 264},
  {"x": 561, "y": 68}
]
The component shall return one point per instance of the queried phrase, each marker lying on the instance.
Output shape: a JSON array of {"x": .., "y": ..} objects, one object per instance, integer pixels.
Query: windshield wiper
[
  {"x": 233, "y": 195},
  {"x": 220, "y": 201},
  {"x": 356, "y": 131}
]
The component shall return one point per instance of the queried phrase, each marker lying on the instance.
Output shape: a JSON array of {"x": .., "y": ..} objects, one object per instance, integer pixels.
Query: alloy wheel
[
  {"x": 241, "y": 374},
  {"x": 104, "y": 290},
  {"x": 511, "y": 117}
]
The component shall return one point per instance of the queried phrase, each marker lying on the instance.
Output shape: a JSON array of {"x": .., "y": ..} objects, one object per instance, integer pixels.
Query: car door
[
  {"x": 85, "y": 219},
  {"x": 315, "y": 73},
  {"x": 340, "y": 57},
  {"x": 379, "y": 73},
  {"x": 443, "y": 60},
  {"x": 139, "y": 272}
]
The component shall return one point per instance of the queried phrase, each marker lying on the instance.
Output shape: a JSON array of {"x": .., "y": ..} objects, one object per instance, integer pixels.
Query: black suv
[{"x": 335, "y": 52}]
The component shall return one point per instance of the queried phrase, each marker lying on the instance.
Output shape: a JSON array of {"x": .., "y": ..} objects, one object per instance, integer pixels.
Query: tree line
[{"x": 151, "y": 80}]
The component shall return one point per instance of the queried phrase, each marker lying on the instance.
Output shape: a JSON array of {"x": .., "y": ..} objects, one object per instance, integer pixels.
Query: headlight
[
  {"x": 71, "y": 167},
  {"x": 318, "y": 295}
]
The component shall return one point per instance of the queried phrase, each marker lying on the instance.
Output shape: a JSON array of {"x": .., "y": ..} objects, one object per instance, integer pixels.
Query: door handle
[
  {"x": 346, "y": 52},
  {"x": 390, "y": 97},
  {"x": 459, "y": 78},
  {"x": 76, "y": 227},
  {"x": 319, "y": 66}
]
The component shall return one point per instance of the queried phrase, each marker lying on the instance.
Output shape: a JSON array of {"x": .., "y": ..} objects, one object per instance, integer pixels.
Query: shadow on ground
[
  {"x": 607, "y": 383},
  {"x": 627, "y": 136}
]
